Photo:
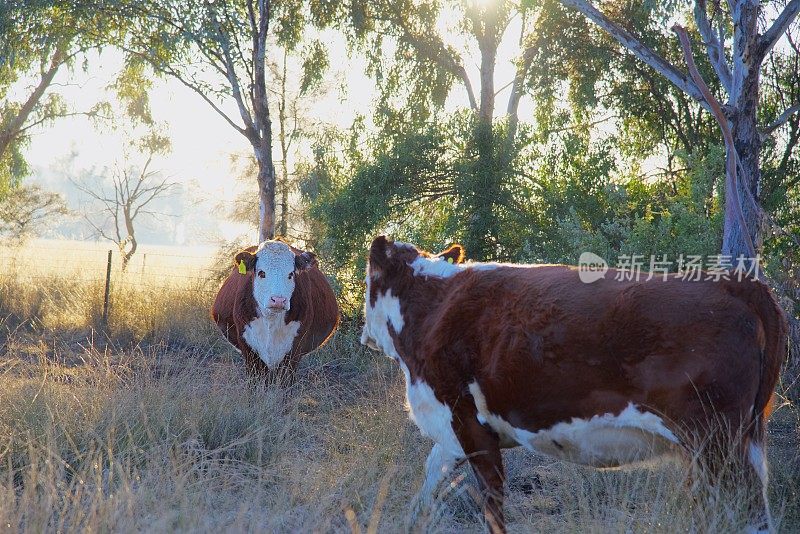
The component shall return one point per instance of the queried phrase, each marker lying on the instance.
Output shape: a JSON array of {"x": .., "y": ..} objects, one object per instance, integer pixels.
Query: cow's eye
[
  {"x": 291, "y": 275},
  {"x": 261, "y": 274}
]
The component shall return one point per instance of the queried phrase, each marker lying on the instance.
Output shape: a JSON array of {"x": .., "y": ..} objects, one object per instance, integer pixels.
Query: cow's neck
[{"x": 417, "y": 300}]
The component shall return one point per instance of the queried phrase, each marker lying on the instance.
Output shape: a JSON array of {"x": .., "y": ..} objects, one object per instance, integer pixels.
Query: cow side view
[
  {"x": 602, "y": 374},
  {"x": 274, "y": 307}
]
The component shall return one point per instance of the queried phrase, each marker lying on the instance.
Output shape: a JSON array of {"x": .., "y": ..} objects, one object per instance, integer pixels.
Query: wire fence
[{"x": 151, "y": 271}]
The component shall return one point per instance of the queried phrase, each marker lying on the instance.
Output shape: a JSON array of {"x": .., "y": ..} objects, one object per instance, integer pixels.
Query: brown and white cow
[
  {"x": 281, "y": 308},
  {"x": 602, "y": 374}
]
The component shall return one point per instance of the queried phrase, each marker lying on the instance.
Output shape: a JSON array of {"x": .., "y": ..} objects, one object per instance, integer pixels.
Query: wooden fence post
[{"x": 108, "y": 287}]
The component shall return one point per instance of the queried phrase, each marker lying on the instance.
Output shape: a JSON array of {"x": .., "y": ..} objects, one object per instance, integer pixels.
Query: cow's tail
[
  {"x": 773, "y": 338},
  {"x": 773, "y": 347}
]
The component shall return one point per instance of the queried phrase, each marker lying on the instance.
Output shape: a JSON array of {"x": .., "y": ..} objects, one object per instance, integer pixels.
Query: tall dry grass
[{"x": 151, "y": 425}]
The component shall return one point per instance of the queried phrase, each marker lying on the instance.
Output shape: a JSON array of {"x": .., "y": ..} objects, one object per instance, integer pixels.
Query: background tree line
[{"x": 598, "y": 140}]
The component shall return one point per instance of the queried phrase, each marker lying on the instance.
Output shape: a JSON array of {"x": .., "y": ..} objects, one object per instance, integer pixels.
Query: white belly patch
[
  {"x": 271, "y": 337},
  {"x": 603, "y": 441}
]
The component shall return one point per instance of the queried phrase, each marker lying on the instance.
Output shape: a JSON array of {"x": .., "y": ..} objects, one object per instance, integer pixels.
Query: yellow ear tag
[
  {"x": 242, "y": 268},
  {"x": 449, "y": 260}
]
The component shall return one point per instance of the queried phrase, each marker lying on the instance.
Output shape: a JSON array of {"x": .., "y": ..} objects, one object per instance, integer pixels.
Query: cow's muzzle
[{"x": 278, "y": 304}]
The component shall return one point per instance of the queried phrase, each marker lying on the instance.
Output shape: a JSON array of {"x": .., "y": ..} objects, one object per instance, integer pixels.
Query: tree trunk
[
  {"x": 748, "y": 147},
  {"x": 283, "y": 222},
  {"x": 488, "y": 47},
  {"x": 266, "y": 194},
  {"x": 126, "y": 255},
  {"x": 747, "y": 141},
  {"x": 260, "y": 132},
  {"x": 131, "y": 238},
  {"x": 479, "y": 188}
]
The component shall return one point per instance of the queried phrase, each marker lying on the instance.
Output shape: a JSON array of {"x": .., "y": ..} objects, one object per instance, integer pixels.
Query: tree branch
[
  {"x": 780, "y": 121},
  {"x": 778, "y": 28},
  {"x": 639, "y": 49},
  {"x": 54, "y": 116},
  {"x": 434, "y": 50},
  {"x": 177, "y": 75},
  {"x": 714, "y": 48},
  {"x": 12, "y": 130},
  {"x": 230, "y": 74}
]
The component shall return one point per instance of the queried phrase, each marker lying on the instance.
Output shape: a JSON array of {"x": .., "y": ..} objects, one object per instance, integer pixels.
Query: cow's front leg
[
  {"x": 285, "y": 373},
  {"x": 257, "y": 370},
  {"x": 482, "y": 447},
  {"x": 438, "y": 466}
]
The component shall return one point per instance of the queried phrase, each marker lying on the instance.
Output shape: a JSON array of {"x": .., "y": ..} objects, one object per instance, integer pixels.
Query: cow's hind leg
[
  {"x": 482, "y": 447},
  {"x": 761, "y": 518},
  {"x": 735, "y": 470},
  {"x": 438, "y": 466}
]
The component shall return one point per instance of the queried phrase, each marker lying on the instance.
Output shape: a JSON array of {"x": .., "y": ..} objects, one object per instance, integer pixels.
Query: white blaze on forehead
[
  {"x": 276, "y": 260},
  {"x": 436, "y": 266}
]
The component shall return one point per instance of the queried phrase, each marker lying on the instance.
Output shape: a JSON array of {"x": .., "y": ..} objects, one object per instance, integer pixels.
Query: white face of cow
[
  {"x": 275, "y": 267},
  {"x": 273, "y": 284},
  {"x": 377, "y": 319}
]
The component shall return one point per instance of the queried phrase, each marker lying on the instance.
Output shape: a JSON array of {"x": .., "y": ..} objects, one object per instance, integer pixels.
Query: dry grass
[{"x": 152, "y": 426}]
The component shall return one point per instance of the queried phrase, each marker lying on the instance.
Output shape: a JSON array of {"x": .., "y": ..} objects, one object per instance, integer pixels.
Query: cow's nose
[{"x": 277, "y": 302}]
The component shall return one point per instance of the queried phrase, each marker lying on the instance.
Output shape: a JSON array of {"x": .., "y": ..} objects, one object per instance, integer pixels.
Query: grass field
[{"x": 150, "y": 425}]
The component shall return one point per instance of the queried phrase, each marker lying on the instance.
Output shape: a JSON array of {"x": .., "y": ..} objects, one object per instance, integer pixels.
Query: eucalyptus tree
[
  {"x": 292, "y": 91},
  {"x": 38, "y": 39},
  {"x": 292, "y": 86},
  {"x": 219, "y": 50},
  {"x": 738, "y": 38},
  {"x": 420, "y": 53}
]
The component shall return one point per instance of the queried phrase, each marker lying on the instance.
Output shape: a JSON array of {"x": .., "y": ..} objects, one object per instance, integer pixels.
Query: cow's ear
[
  {"x": 453, "y": 254},
  {"x": 379, "y": 252},
  {"x": 305, "y": 260},
  {"x": 245, "y": 261}
]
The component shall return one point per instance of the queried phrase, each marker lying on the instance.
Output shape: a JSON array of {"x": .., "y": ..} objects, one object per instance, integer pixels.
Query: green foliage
[
  {"x": 23, "y": 209},
  {"x": 132, "y": 86},
  {"x": 38, "y": 39},
  {"x": 315, "y": 65},
  {"x": 548, "y": 202},
  {"x": 414, "y": 170},
  {"x": 598, "y": 77}
]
